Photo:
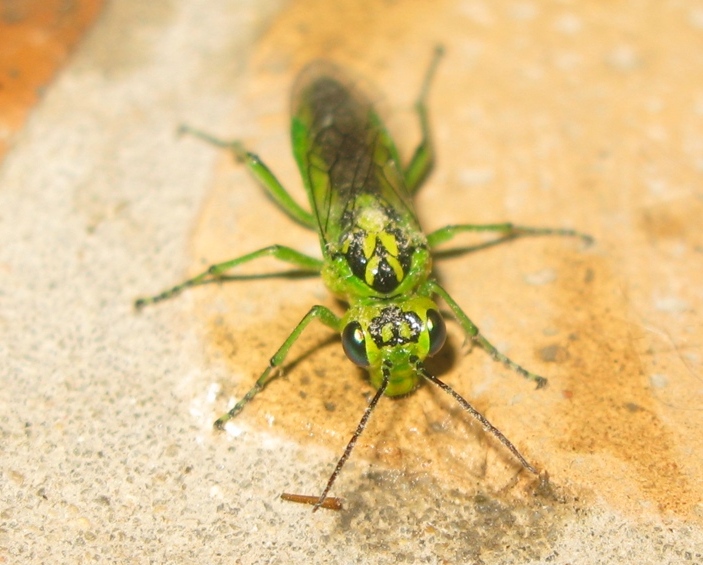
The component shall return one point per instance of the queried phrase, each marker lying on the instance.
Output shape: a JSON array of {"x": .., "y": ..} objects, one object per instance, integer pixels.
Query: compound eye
[
  {"x": 354, "y": 344},
  {"x": 437, "y": 331}
]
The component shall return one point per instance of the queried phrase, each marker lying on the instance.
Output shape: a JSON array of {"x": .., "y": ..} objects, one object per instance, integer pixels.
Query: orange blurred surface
[{"x": 36, "y": 38}]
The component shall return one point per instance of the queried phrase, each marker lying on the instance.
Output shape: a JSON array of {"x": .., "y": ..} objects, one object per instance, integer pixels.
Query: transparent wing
[{"x": 343, "y": 152}]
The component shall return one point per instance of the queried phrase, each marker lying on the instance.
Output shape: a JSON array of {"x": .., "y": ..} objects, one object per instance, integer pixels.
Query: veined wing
[{"x": 344, "y": 153}]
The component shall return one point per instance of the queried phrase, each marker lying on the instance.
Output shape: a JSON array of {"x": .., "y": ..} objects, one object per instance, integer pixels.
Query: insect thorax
[{"x": 379, "y": 249}]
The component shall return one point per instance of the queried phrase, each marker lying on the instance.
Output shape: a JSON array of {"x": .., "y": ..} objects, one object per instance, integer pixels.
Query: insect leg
[
  {"x": 475, "y": 335},
  {"x": 325, "y": 315},
  {"x": 262, "y": 174},
  {"x": 506, "y": 229},
  {"x": 217, "y": 271},
  {"x": 421, "y": 163}
]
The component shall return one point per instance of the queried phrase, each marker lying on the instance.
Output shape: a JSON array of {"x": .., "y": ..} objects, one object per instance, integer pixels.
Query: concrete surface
[{"x": 578, "y": 114}]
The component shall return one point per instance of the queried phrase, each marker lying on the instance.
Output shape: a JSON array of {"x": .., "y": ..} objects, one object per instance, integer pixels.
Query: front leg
[
  {"x": 473, "y": 333},
  {"x": 325, "y": 315}
]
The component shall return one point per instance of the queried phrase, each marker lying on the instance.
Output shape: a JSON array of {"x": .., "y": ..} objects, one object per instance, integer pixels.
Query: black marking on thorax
[{"x": 381, "y": 260}]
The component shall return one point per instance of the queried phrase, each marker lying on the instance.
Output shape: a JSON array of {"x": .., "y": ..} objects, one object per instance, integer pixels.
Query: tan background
[{"x": 576, "y": 114}]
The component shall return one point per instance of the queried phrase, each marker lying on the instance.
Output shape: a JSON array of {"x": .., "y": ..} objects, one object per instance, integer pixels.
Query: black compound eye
[
  {"x": 437, "y": 330},
  {"x": 354, "y": 344}
]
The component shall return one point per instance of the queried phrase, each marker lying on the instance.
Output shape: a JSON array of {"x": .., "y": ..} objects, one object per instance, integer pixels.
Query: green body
[
  {"x": 374, "y": 254},
  {"x": 376, "y": 257}
]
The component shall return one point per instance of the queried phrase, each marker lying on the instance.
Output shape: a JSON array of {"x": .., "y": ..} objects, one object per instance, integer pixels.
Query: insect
[{"x": 374, "y": 255}]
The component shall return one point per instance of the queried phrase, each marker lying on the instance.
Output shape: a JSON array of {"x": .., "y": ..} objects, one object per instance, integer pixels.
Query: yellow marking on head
[
  {"x": 406, "y": 331},
  {"x": 387, "y": 333}
]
